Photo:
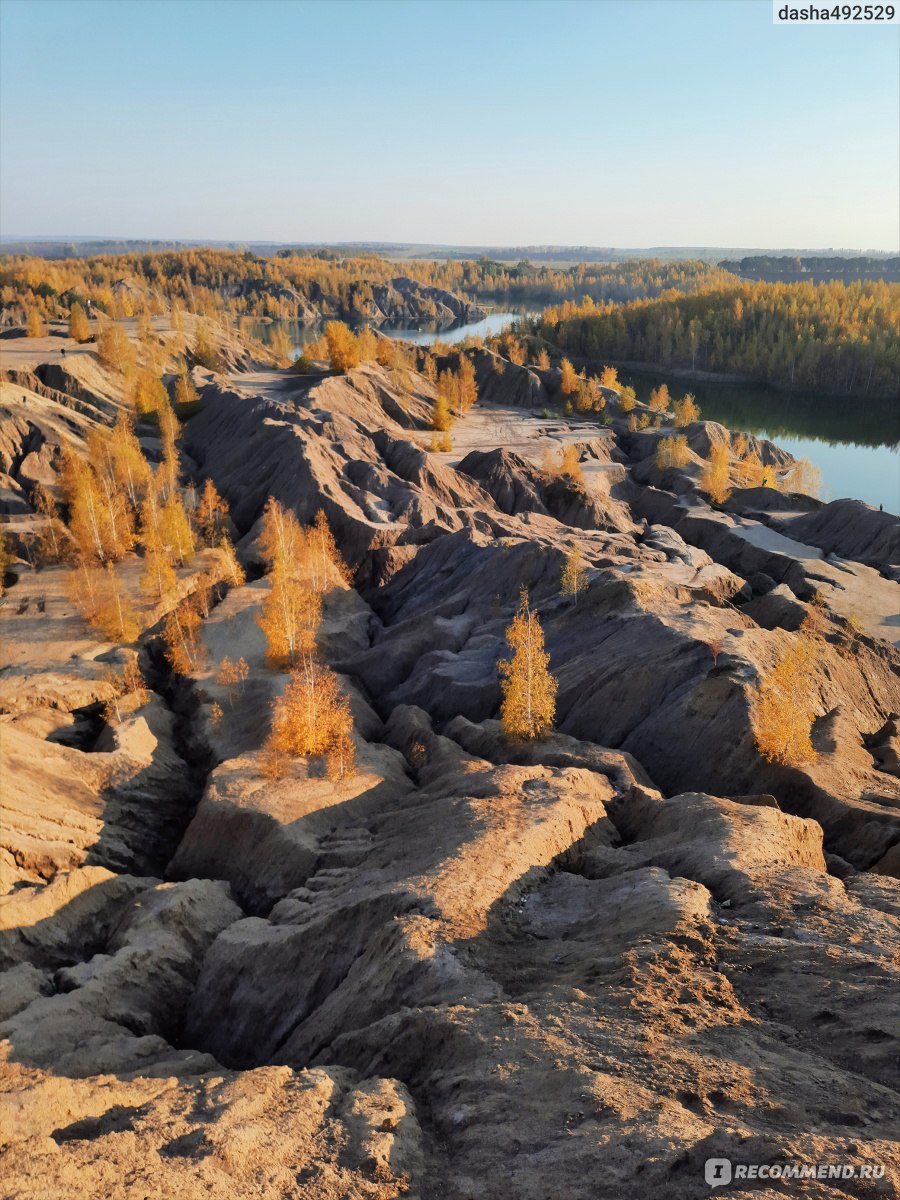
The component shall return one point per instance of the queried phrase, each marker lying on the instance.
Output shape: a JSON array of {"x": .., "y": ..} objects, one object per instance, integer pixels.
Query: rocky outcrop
[
  {"x": 504, "y": 383},
  {"x": 402, "y": 302},
  {"x": 406, "y": 303},
  {"x": 852, "y": 530},
  {"x": 517, "y": 487},
  {"x": 342, "y": 446},
  {"x": 554, "y": 919}
]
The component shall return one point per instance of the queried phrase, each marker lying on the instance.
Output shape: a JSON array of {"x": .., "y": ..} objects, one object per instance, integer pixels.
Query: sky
[{"x": 631, "y": 124}]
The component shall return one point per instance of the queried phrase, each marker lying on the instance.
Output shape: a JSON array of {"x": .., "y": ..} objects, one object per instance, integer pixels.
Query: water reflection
[
  {"x": 853, "y": 442},
  {"x": 491, "y": 324}
]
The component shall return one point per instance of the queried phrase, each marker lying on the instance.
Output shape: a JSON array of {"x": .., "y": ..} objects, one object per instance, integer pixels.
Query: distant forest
[
  {"x": 303, "y": 286},
  {"x": 814, "y": 270},
  {"x": 835, "y": 337},
  {"x": 841, "y": 339},
  {"x": 725, "y": 256}
]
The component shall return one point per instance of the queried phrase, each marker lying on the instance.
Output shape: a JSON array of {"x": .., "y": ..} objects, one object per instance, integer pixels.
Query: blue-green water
[
  {"x": 491, "y": 324},
  {"x": 853, "y": 442}
]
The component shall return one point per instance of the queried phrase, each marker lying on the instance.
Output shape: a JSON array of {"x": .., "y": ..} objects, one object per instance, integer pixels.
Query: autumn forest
[{"x": 835, "y": 337}]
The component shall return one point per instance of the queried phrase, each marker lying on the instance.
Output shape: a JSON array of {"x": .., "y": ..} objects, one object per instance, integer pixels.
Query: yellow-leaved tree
[
  {"x": 53, "y": 542},
  {"x": 466, "y": 387},
  {"x": 175, "y": 530},
  {"x": 130, "y": 469},
  {"x": 783, "y": 705},
  {"x": 569, "y": 382},
  {"x": 627, "y": 399},
  {"x": 185, "y": 392},
  {"x": 148, "y": 392},
  {"x": 205, "y": 351},
  {"x": 181, "y": 633},
  {"x": 227, "y": 567},
  {"x": 803, "y": 477},
  {"x": 292, "y": 609},
  {"x": 750, "y": 471},
  {"x": 79, "y": 325},
  {"x": 366, "y": 344},
  {"x": 343, "y": 348},
  {"x": 104, "y": 602},
  {"x": 158, "y": 579},
  {"x": 311, "y": 717},
  {"x": 290, "y": 619},
  {"x": 100, "y": 521},
  {"x": 114, "y": 348},
  {"x": 281, "y": 538},
  {"x": 35, "y": 326},
  {"x": 660, "y": 399},
  {"x": 211, "y": 515},
  {"x": 570, "y": 466},
  {"x": 169, "y": 469},
  {"x": 322, "y": 553},
  {"x": 116, "y": 616},
  {"x": 574, "y": 577},
  {"x": 686, "y": 410},
  {"x": 714, "y": 476},
  {"x": 529, "y": 690},
  {"x": 672, "y": 452},
  {"x": 442, "y": 415}
]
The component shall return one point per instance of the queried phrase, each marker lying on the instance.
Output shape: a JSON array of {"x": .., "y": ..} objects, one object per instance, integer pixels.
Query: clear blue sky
[{"x": 629, "y": 124}]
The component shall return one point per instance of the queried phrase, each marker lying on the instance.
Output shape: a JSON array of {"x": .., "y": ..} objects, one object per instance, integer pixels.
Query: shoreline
[{"x": 739, "y": 380}]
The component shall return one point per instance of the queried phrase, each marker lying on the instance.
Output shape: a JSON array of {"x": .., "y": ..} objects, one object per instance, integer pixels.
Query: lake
[
  {"x": 494, "y": 322},
  {"x": 853, "y": 442},
  {"x": 301, "y": 335}
]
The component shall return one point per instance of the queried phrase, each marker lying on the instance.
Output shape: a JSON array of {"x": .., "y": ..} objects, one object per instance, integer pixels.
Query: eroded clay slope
[{"x": 578, "y": 967}]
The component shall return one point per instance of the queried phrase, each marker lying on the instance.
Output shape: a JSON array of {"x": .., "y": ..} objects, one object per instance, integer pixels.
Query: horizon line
[{"x": 434, "y": 245}]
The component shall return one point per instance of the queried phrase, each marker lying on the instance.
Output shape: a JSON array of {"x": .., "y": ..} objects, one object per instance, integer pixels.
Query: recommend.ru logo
[{"x": 717, "y": 1171}]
